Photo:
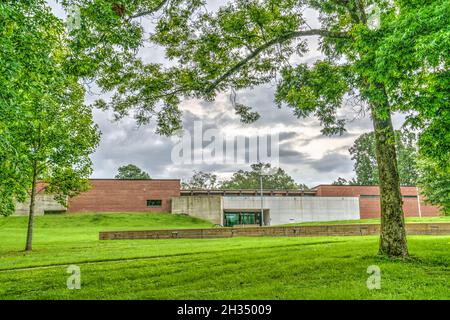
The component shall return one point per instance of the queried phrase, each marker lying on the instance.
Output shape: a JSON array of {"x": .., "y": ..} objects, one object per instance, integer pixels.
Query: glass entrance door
[
  {"x": 234, "y": 218},
  {"x": 247, "y": 218},
  {"x": 231, "y": 219}
]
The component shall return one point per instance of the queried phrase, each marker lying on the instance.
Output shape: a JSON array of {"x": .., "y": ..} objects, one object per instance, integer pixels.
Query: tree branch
[
  {"x": 278, "y": 40},
  {"x": 144, "y": 13}
]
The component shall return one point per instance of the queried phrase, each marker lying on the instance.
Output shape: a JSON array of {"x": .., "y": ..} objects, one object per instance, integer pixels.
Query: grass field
[
  {"x": 374, "y": 220},
  {"x": 232, "y": 268}
]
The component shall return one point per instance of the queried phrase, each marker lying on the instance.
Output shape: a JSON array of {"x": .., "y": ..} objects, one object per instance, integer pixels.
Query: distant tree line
[
  {"x": 363, "y": 153},
  {"x": 131, "y": 171},
  {"x": 413, "y": 169},
  {"x": 273, "y": 178}
]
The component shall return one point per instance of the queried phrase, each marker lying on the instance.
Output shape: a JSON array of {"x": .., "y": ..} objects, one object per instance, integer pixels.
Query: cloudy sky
[{"x": 304, "y": 152}]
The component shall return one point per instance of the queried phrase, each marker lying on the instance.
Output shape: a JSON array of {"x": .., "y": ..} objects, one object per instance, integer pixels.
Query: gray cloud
[
  {"x": 332, "y": 162},
  {"x": 287, "y": 136},
  {"x": 123, "y": 142}
]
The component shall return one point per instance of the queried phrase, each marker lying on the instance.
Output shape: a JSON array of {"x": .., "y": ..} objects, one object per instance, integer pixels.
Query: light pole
[
  {"x": 261, "y": 220},
  {"x": 418, "y": 202},
  {"x": 264, "y": 172}
]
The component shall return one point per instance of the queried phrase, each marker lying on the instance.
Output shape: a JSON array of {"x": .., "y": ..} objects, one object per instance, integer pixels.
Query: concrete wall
[
  {"x": 370, "y": 206},
  {"x": 44, "y": 202},
  {"x": 209, "y": 208},
  {"x": 111, "y": 195},
  {"x": 284, "y": 210}
]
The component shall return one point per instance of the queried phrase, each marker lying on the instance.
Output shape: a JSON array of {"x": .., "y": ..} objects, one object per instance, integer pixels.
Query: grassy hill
[{"x": 232, "y": 268}]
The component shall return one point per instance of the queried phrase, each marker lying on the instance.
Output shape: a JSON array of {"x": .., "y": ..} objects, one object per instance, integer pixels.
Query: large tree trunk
[
  {"x": 29, "y": 244},
  {"x": 392, "y": 232}
]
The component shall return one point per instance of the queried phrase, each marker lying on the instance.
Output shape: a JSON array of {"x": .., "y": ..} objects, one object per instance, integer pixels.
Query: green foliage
[
  {"x": 413, "y": 62},
  {"x": 366, "y": 167},
  {"x": 245, "y": 113},
  {"x": 434, "y": 184},
  {"x": 131, "y": 171},
  {"x": 201, "y": 180},
  {"x": 46, "y": 131},
  {"x": 13, "y": 83},
  {"x": 343, "y": 182},
  {"x": 276, "y": 179},
  {"x": 317, "y": 90},
  {"x": 10, "y": 178},
  {"x": 407, "y": 155},
  {"x": 210, "y": 51},
  {"x": 364, "y": 154}
]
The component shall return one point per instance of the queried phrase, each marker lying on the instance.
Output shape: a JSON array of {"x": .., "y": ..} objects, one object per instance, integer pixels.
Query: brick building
[
  {"x": 230, "y": 207},
  {"x": 115, "y": 195},
  {"x": 369, "y": 200}
]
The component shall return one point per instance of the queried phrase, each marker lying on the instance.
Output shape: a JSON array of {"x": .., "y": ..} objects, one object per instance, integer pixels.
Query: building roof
[
  {"x": 223, "y": 192},
  {"x": 354, "y": 185},
  {"x": 152, "y": 179}
]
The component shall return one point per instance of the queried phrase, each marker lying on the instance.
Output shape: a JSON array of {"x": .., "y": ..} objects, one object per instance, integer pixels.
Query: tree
[
  {"x": 47, "y": 130},
  {"x": 407, "y": 155},
  {"x": 201, "y": 180},
  {"x": 434, "y": 184},
  {"x": 277, "y": 179},
  {"x": 343, "y": 182},
  {"x": 363, "y": 152},
  {"x": 131, "y": 171},
  {"x": 246, "y": 43}
]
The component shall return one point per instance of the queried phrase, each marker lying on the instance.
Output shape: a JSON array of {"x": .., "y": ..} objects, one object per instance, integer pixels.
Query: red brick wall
[
  {"x": 370, "y": 207},
  {"x": 111, "y": 195}
]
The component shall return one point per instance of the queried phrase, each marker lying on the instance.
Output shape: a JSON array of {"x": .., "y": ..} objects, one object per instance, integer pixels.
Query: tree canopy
[
  {"x": 412, "y": 60},
  {"x": 202, "y": 180},
  {"x": 246, "y": 43},
  {"x": 343, "y": 182},
  {"x": 273, "y": 178},
  {"x": 131, "y": 171}
]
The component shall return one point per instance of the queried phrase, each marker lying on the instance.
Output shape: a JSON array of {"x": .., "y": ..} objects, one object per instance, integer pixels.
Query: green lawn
[
  {"x": 374, "y": 220},
  {"x": 232, "y": 268}
]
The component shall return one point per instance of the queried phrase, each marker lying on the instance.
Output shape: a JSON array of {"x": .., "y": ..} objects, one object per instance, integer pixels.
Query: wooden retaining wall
[{"x": 294, "y": 231}]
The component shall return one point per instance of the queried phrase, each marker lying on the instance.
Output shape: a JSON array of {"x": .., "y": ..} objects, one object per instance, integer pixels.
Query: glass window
[
  {"x": 234, "y": 218},
  {"x": 231, "y": 219},
  {"x": 154, "y": 203},
  {"x": 247, "y": 218}
]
